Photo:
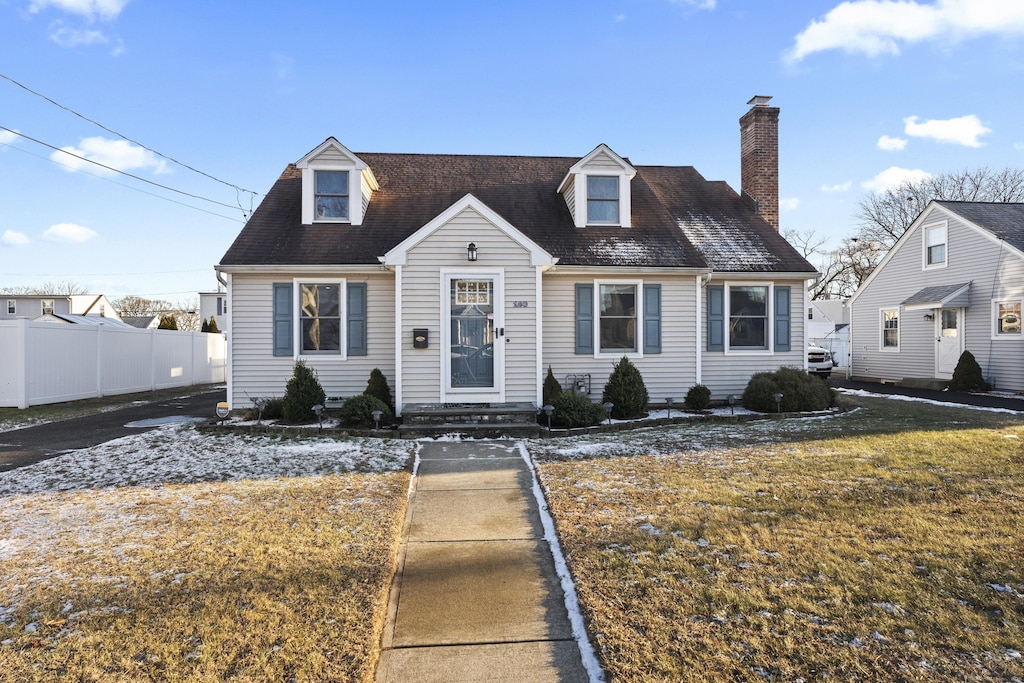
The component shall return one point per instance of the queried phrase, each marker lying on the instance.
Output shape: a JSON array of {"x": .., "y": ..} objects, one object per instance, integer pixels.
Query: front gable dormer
[
  {"x": 597, "y": 189},
  {"x": 336, "y": 185}
]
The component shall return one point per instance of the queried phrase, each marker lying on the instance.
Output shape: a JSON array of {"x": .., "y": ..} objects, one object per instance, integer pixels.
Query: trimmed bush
[
  {"x": 378, "y": 387},
  {"x": 968, "y": 376},
  {"x": 800, "y": 392},
  {"x": 302, "y": 392},
  {"x": 167, "y": 322},
  {"x": 575, "y": 410},
  {"x": 205, "y": 326},
  {"x": 274, "y": 410},
  {"x": 212, "y": 327},
  {"x": 698, "y": 397},
  {"x": 358, "y": 411},
  {"x": 552, "y": 388},
  {"x": 626, "y": 390}
]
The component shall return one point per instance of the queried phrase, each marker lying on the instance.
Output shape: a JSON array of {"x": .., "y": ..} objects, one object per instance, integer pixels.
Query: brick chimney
[{"x": 759, "y": 158}]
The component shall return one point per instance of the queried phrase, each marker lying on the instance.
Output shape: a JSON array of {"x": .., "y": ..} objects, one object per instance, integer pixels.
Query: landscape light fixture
[
  {"x": 471, "y": 251},
  {"x": 548, "y": 410},
  {"x": 778, "y": 402},
  {"x": 319, "y": 410},
  {"x": 376, "y": 418},
  {"x": 608, "y": 409},
  {"x": 732, "y": 398},
  {"x": 669, "y": 402}
]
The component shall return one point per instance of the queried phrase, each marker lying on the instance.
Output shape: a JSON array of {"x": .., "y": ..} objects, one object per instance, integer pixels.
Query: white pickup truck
[{"x": 819, "y": 361}]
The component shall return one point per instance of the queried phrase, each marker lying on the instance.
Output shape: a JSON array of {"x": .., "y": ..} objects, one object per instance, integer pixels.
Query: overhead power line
[
  {"x": 115, "y": 170},
  {"x": 126, "y": 138}
]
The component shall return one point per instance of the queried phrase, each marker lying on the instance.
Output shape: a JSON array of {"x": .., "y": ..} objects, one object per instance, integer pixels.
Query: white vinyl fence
[{"x": 42, "y": 362}]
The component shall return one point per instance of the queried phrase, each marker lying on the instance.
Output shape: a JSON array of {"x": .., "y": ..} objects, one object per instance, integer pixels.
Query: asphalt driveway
[{"x": 30, "y": 445}]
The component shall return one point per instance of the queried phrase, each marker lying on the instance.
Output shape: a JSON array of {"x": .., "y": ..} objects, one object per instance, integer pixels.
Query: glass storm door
[
  {"x": 472, "y": 333},
  {"x": 948, "y": 342}
]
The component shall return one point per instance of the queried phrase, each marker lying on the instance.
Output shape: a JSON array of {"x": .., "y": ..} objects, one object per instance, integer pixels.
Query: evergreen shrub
[
  {"x": 626, "y": 390},
  {"x": 358, "y": 411},
  {"x": 698, "y": 397},
  {"x": 302, "y": 392},
  {"x": 552, "y": 388},
  {"x": 378, "y": 387},
  {"x": 212, "y": 327},
  {"x": 167, "y": 322},
  {"x": 800, "y": 391},
  {"x": 575, "y": 410},
  {"x": 968, "y": 376}
]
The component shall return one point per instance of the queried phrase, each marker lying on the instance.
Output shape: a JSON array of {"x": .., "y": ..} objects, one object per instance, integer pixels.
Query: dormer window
[
  {"x": 331, "y": 195},
  {"x": 602, "y": 200}
]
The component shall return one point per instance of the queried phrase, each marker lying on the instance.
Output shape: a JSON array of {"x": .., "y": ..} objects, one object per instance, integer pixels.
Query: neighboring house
[
  {"x": 213, "y": 305},
  {"x": 464, "y": 277},
  {"x": 828, "y": 326},
  {"x": 142, "y": 322},
  {"x": 953, "y": 282},
  {"x": 32, "y": 306}
]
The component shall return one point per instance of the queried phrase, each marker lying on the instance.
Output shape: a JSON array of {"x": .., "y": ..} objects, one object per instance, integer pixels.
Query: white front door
[
  {"x": 949, "y": 341},
  {"x": 474, "y": 363}
]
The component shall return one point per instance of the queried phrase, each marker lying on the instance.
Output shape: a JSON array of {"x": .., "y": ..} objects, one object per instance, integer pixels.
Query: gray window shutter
[
  {"x": 283, "y": 329},
  {"x": 783, "y": 319},
  {"x": 356, "y": 319},
  {"x": 716, "y": 317},
  {"x": 584, "y": 319},
  {"x": 652, "y": 318}
]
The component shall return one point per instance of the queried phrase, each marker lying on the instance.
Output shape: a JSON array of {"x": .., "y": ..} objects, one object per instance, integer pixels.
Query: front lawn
[{"x": 882, "y": 544}]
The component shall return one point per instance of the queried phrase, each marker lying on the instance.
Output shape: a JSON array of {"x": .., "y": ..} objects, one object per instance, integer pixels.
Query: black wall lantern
[{"x": 471, "y": 251}]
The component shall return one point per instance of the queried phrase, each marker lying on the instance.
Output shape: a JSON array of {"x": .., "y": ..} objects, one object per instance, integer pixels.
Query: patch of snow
[
  {"x": 890, "y": 608},
  {"x": 899, "y": 397},
  {"x": 168, "y": 420}
]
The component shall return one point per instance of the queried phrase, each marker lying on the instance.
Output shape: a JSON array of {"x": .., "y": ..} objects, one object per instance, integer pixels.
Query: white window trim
[
  {"x": 881, "y": 330},
  {"x": 297, "y": 319},
  {"x": 924, "y": 246},
  {"x": 769, "y": 333},
  {"x": 638, "y": 328},
  {"x": 355, "y": 194},
  {"x": 625, "y": 204},
  {"x": 12, "y": 307},
  {"x": 995, "y": 333}
]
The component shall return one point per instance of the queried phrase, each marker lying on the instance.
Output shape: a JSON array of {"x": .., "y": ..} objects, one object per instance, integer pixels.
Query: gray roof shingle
[
  {"x": 1005, "y": 221},
  {"x": 679, "y": 219}
]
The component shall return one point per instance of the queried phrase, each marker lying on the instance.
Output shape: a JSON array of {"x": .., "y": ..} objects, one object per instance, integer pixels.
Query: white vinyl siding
[
  {"x": 669, "y": 373},
  {"x": 996, "y": 273},
  {"x": 257, "y": 372}
]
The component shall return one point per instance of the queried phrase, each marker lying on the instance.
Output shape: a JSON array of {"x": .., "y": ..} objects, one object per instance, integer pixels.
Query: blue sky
[{"x": 870, "y": 91}]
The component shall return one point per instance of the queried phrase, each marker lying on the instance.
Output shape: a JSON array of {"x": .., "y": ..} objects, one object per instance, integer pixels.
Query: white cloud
[
  {"x": 8, "y": 137},
  {"x": 1019, "y": 145},
  {"x": 69, "y": 232},
  {"x": 894, "y": 176},
  {"x": 14, "y": 239},
  {"x": 877, "y": 27},
  {"x": 699, "y": 4},
  {"x": 790, "y": 204},
  {"x": 107, "y": 10},
  {"x": 73, "y": 37},
  {"x": 891, "y": 144},
  {"x": 282, "y": 65},
  {"x": 838, "y": 187},
  {"x": 964, "y": 130},
  {"x": 118, "y": 154}
]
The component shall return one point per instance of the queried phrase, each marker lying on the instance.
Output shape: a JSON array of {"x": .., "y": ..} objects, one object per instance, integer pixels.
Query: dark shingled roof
[
  {"x": 1005, "y": 221},
  {"x": 679, "y": 219}
]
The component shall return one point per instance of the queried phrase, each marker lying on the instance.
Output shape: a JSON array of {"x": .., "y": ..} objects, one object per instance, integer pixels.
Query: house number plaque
[{"x": 520, "y": 304}]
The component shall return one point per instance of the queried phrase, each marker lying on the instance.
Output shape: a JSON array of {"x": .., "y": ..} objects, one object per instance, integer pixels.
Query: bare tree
[
  {"x": 187, "y": 314},
  {"x": 808, "y": 242},
  {"x": 885, "y": 216},
  {"x": 62, "y": 288},
  {"x": 134, "y": 305}
]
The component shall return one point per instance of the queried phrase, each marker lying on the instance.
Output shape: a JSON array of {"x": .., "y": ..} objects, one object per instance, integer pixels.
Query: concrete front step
[
  {"x": 468, "y": 413},
  {"x": 474, "y": 430}
]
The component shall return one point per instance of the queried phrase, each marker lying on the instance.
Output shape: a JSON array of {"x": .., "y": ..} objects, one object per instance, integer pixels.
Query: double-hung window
[
  {"x": 1007, "y": 318},
  {"x": 602, "y": 200},
  {"x": 617, "y": 318},
  {"x": 617, "y": 321},
  {"x": 319, "y": 318},
  {"x": 12, "y": 306},
  {"x": 935, "y": 245},
  {"x": 47, "y": 306},
  {"x": 748, "y": 317},
  {"x": 891, "y": 329},
  {"x": 330, "y": 195}
]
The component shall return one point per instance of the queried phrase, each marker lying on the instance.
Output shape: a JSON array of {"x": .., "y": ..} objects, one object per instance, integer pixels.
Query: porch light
[
  {"x": 608, "y": 409},
  {"x": 471, "y": 251},
  {"x": 548, "y": 409},
  {"x": 929, "y": 317}
]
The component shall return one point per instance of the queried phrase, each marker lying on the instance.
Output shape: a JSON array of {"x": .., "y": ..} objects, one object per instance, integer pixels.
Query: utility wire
[
  {"x": 136, "y": 189},
  {"x": 111, "y": 168},
  {"x": 128, "y": 139}
]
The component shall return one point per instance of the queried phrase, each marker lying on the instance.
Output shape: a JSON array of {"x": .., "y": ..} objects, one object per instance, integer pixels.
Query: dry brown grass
[
  {"x": 259, "y": 580},
  {"x": 893, "y": 553}
]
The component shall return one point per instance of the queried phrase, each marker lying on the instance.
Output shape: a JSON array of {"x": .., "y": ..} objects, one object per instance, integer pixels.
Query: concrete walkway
[{"x": 476, "y": 597}]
